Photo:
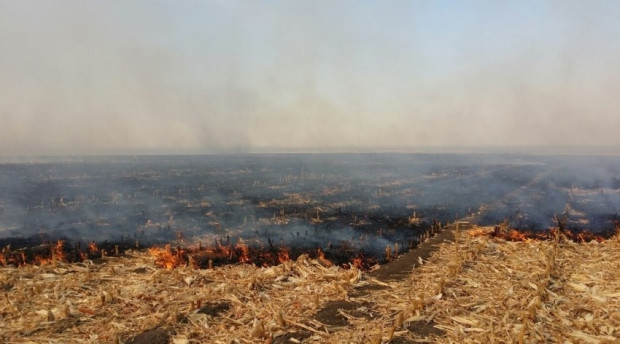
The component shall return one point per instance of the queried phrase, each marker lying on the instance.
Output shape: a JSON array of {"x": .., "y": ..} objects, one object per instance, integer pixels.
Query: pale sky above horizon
[{"x": 116, "y": 77}]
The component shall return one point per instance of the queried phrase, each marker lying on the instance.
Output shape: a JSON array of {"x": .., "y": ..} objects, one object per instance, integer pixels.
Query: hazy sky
[{"x": 125, "y": 77}]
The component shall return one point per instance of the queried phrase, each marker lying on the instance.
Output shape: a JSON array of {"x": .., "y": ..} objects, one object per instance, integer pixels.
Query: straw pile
[{"x": 477, "y": 290}]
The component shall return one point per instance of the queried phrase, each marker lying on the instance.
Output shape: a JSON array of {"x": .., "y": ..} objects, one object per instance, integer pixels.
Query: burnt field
[{"x": 341, "y": 203}]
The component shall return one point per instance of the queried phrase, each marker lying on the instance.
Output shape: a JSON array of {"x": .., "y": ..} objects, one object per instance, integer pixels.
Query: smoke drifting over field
[{"x": 357, "y": 201}]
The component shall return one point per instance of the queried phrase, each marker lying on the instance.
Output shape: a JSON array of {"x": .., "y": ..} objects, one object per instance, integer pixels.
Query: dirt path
[{"x": 334, "y": 313}]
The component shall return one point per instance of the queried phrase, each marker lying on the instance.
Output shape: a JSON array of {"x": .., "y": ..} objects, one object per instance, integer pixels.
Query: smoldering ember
[{"x": 312, "y": 248}]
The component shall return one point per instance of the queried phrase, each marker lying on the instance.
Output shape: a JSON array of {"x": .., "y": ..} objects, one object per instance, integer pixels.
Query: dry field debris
[{"x": 477, "y": 289}]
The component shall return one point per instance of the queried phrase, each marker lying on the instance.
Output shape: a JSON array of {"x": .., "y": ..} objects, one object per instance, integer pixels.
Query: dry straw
[{"x": 477, "y": 289}]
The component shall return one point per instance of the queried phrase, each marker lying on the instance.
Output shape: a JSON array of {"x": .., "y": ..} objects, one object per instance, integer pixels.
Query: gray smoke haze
[{"x": 115, "y": 77}]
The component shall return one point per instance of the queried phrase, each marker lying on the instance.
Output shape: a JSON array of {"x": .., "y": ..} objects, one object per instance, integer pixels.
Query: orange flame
[
  {"x": 585, "y": 236},
  {"x": 283, "y": 255},
  {"x": 358, "y": 262},
  {"x": 476, "y": 232},
  {"x": 244, "y": 252},
  {"x": 201, "y": 257},
  {"x": 321, "y": 258},
  {"x": 56, "y": 254},
  {"x": 165, "y": 258},
  {"x": 526, "y": 236},
  {"x": 92, "y": 248},
  {"x": 515, "y": 235},
  {"x": 4, "y": 258},
  {"x": 58, "y": 251}
]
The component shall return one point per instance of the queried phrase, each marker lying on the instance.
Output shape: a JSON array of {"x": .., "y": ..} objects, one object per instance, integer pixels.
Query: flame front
[{"x": 526, "y": 236}]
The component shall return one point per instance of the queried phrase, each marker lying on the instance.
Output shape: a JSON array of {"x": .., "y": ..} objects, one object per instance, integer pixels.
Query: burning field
[
  {"x": 310, "y": 249},
  {"x": 474, "y": 287}
]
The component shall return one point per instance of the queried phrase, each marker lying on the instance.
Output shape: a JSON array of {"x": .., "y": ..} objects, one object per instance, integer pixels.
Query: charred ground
[{"x": 338, "y": 202}]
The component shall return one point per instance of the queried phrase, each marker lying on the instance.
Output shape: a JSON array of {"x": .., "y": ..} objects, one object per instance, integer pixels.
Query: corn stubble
[{"x": 477, "y": 289}]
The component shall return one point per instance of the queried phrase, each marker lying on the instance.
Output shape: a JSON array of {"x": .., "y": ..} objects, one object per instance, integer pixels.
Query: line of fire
[{"x": 199, "y": 256}]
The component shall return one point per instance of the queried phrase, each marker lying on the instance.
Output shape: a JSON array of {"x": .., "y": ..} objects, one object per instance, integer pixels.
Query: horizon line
[{"x": 526, "y": 150}]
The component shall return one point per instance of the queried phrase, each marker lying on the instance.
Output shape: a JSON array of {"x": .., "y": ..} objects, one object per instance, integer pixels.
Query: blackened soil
[
  {"x": 214, "y": 309},
  {"x": 330, "y": 313},
  {"x": 425, "y": 329},
  {"x": 156, "y": 336}
]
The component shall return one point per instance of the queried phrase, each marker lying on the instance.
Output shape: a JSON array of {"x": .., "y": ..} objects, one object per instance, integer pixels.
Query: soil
[
  {"x": 214, "y": 309},
  {"x": 330, "y": 313},
  {"x": 424, "y": 329},
  {"x": 156, "y": 336}
]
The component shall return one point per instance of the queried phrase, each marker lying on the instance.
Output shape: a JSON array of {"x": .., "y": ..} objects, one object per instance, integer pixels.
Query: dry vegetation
[{"x": 477, "y": 290}]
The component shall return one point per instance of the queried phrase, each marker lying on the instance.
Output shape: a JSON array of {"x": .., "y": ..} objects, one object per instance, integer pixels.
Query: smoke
[
  {"x": 342, "y": 203},
  {"x": 96, "y": 78}
]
